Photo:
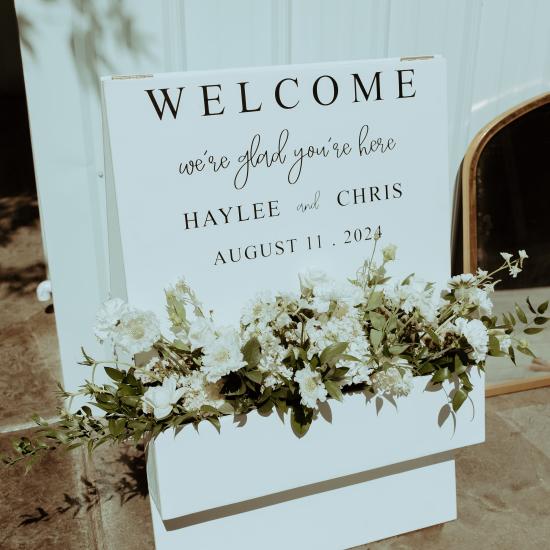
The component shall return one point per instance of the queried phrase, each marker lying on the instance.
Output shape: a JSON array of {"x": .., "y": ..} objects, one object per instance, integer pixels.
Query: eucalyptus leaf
[{"x": 521, "y": 314}]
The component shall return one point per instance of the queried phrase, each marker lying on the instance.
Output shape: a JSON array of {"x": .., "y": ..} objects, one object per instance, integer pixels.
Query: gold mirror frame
[{"x": 469, "y": 218}]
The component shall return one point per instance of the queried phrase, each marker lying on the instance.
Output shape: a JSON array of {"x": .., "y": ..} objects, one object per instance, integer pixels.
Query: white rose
[
  {"x": 160, "y": 399},
  {"x": 312, "y": 277},
  {"x": 201, "y": 333},
  {"x": 108, "y": 317}
]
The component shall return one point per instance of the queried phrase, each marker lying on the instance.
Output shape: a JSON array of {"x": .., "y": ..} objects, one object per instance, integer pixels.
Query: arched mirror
[{"x": 506, "y": 207}]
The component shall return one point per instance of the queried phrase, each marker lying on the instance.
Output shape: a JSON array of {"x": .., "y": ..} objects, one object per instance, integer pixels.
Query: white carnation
[
  {"x": 358, "y": 372},
  {"x": 108, "y": 317},
  {"x": 222, "y": 355},
  {"x": 476, "y": 334},
  {"x": 414, "y": 295},
  {"x": 391, "y": 381},
  {"x": 477, "y": 297},
  {"x": 311, "y": 387},
  {"x": 160, "y": 400},
  {"x": 137, "y": 331},
  {"x": 262, "y": 309},
  {"x": 198, "y": 392}
]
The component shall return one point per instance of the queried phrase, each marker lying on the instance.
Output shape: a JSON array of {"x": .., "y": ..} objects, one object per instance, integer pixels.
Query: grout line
[{"x": 26, "y": 425}]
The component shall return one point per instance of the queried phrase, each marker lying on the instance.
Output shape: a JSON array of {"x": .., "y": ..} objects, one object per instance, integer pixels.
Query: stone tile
[
  {"x": 29, "y": 373},
  {"x": 503, "y": 490},
  {"x": 119, "y": 475},
  {"x": 47, "y": 508}
]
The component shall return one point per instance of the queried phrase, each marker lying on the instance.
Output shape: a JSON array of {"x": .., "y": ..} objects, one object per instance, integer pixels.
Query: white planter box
[{"x": 363, "y": 476}]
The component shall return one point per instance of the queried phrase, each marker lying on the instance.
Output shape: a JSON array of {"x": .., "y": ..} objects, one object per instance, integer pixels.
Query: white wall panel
[
  {"x": 450, "y": 29},
  {"x": 513, "y": 57},
  {"x": 324, "y": 30},
  {"x": 498, "y": 54}
]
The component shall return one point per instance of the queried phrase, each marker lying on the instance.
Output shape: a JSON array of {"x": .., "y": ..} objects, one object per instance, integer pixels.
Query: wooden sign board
[{"x": 238, "y": 179}]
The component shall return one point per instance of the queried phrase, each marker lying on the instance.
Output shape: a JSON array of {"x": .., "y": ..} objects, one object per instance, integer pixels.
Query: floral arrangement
[{"x": 291, "y": 352}]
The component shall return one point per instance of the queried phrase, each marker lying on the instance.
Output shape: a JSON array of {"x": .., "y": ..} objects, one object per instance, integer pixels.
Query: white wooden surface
[
  {"x": 344, "y": 517},
  {"x": 497, "y": 52},
  {"x": 200, "y": 470}
]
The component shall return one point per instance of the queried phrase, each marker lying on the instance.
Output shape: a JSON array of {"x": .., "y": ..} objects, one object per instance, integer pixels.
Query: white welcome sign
[{"x": 238, "y": 179}]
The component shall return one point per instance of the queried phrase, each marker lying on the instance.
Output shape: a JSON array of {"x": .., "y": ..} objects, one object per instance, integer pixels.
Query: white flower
[
  {"x": 388, "y": 252},
  {"x": 507, "y": 257},
  {"x": 147, "y": 373},
  {"x": 476, "y": 334},
  {"x": 474, "y": 296},
  {"x": 200, "y": 333},
  {"x": 262, "y": 309},
  {"x": 414, "y": 295},
  {"x": 108, "y": 317},
  {"x": 223, "y": 355},
  {"x": 137, "y": 331},
  {"x": 514, "y": 271},
  {"x": 312, "y": 277},
  {"x": 160, "y": 399},
  {"x": 358, "y": 373},
  {"x": 522, "y": 255},
  {"x": 504, "y": 342},
  {"x": 311, "y": 387},
  {"x": 198, "y": 392},
  {"x": 343, "y": 295},
  {"x": 392, "y": 382},
  {"x": 464, "y": 279}
]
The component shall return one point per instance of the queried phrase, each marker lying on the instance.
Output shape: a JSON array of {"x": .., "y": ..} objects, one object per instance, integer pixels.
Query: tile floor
[{"x": 70, "y": 502}]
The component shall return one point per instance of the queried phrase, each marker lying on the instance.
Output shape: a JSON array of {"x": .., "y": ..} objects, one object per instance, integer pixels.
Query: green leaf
[
  {"x": 375, "y": 337},
  {"x": 494, "y": 347},
  {"x": 459, "y": 368},
  {"x": 115, "y": 374},
  {"x": 299, "y": 421},
  {"x": 252, "y": 352},
  {"x": 458, "y": 399},
  {"x": 441, "y": 375},
  {"x": 521, "y": 314},
  {"x": 526, "y": 351},
  {"x": 265, "y": 408},
  {"x": 377, "y": 319},
  {"x": 334, "y": 390},
  {"x": 543, "y": 307},
  {"x": 532, "y": 330},
  {"x": 540, "y": 320},
  {"x": 398, "y": 349},
  {"x": 426, "y": 368},
  {"x": 375, "y": 300},
  {"x": 254, "y": 375},
  {"x": 332, "y": 353},
  {"x": 215, "y": 421},
  {"x": 530, "y": 306},
  {"x": 116, "y": 426},
  {"x": 433, "y": 336}
]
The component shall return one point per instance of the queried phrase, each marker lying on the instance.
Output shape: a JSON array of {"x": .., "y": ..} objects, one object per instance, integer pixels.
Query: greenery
[{"x": 291, "y": 351}]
